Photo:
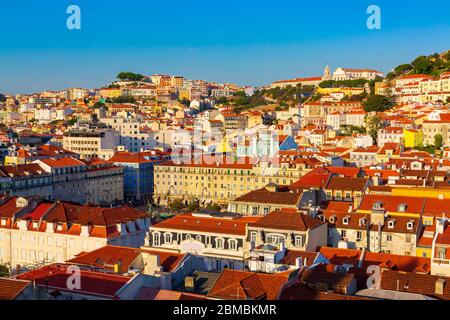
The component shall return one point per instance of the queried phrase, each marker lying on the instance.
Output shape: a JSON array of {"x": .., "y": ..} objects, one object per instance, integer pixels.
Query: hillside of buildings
[{"x": 433, "y": 65}]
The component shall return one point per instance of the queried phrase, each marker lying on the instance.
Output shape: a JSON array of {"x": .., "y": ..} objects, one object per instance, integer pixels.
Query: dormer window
[
  {"x": 332, "y": 219},
  {"x": 346, "y": 220},
  {"x": 402, "y": 207},
  {"x": 391, "y": 224},
  {"x": 378, "y": 205},
  {"x": 410, "y": 225},
  {"x": 362, "y": 222}
]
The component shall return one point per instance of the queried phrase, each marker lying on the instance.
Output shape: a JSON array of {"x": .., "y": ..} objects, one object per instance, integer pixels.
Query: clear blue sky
[{"x": 242, "y": 41}]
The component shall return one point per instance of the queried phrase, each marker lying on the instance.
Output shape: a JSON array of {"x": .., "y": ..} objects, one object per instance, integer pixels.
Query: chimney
[
  {"x": 439, "y": 287},
  {"x": 376, "y": 180},
  {"x": 356, "y": 202},
  {"x": 84, "y": 231},
  {"x": 190, "y": 283},
  {"x": 50, "y": 227},
  {"x": 440, "y": 226},
  {"x": 151, "y": 263}
]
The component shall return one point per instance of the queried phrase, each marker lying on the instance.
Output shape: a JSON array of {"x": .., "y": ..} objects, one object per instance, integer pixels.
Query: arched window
[
  {"x": 232, "y": 244},
  {"x": 156, "y": 239},
  {"x": 219, "y": 243},
  {"x": 167, "y": 238}
]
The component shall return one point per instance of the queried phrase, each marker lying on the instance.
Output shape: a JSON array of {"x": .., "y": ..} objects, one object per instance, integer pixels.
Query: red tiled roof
[
  {"x": 414, "y": 283},
  {"x": 190, "y": 222},
  {"x": 92, "y": 283},
  {"x": 129, "y": 157},
  {"x": 11, "y": 288},
  {"x": 391, "y": 203},
  {"x": 283, "y": 196},
  {"x": 63, "y": 162},
  {"x": 351, "y": 184},
  {"x": 160, "y": 294},
  {"x": 241, "y": 285},
  {"x": 287, "y": 219}
]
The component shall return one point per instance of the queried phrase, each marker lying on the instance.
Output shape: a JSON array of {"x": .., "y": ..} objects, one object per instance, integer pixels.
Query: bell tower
[{"x": 327, "y": 73}]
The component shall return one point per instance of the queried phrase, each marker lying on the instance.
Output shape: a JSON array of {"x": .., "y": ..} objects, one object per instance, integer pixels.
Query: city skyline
[{"x": 209, "y": 47}]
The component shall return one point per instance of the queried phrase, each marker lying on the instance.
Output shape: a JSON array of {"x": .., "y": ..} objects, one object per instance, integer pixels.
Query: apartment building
[
  {"x": 138, "y": 171},
  {"x": 274, "y": 197},
  {"x": 92, "y": 143},
  {"x": 218, "y": 180},
  {"x": 33, "y": 230},
  {"x": 131, "y": 136},
  {"x": 65, "y": 179},
  {"x": 26, "y": 180},
  {"x": 220, "y": 238},
  {"x": 431, "y": 128}
]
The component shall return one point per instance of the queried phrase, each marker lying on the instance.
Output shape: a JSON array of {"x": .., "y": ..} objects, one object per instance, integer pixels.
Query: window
[
  {"x": 344, "y": 233},
  {"x": 410, "y": 225},
  {"x": 253, "y": 236},
  {"x": 255, "y": 211},
  {"x": 441, "y": 253},
  {"x": 266, "y": 210},
  {"x": 233, "y": 244},
  {"x": 274, "y": 239},
  {"x": 219, "y": 243},
  {"x": 298, "y": 241},
  {"x": 167, "y": 238},
  {"x": 156, "y": 239},
  {"x": 408, "y": 239},
  {"x": 389, "y": 238},
  {"x": 358, "y": 236}
]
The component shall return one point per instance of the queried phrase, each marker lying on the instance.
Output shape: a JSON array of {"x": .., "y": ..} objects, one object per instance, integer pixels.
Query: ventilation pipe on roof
[{"x": 361, "y": 257}]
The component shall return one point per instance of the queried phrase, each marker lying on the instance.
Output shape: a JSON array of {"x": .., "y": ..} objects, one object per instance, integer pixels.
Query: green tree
[
  {"x": 185, "y": 102},
  {"x": 373, "y": 124},
  {"x": 438, "y": 141},
  {"x": 71, "y": 122},
  {"x": 130, "y": 76},
  {"x": 124, "y": 99},
  {"x": 176, "y": 205},
  {"x": 448, "y": 99},
  {"x": 422, "y": 64},
  {"x": 98, "y": 105},
  {"x": 2, "y": 98},
  {"x": 403, "y": 69},
  {"x": 222, "y": 100},
  {"x": 193, "y": 206},
  {"x": 377, "y": 103},
  {"x": 214, "y": 207}
]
